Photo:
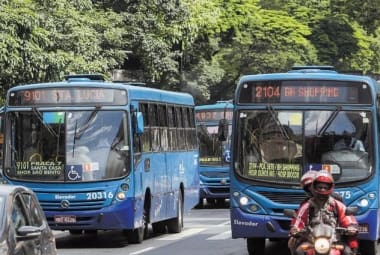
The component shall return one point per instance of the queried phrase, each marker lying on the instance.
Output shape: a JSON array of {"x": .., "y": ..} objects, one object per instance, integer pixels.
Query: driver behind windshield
[{"x": 348, "y": 141}]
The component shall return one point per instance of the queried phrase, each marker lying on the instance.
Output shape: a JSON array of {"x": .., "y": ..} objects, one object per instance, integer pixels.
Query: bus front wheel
[
  {"x": 256, "y": 246},
  {"x": 369, "y": 247},
  {"x": 137, "y": 235}
]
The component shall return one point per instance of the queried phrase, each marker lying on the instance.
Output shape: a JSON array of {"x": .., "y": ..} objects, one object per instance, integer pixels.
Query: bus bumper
[
  {"x": 117, "y": 216},
  {"x": 214, "y": 192},
  {"x": 245, "y": 225},
  {"x": 369, "y": 225}
]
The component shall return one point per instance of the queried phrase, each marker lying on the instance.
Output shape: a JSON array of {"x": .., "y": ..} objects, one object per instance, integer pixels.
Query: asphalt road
[{"x": 206, "y": 232}]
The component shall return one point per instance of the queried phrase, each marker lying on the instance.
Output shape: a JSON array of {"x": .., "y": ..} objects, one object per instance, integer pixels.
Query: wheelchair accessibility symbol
[{"x": 74, "y": 173}]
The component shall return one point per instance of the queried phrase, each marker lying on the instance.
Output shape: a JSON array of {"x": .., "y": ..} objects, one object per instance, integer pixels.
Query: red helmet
[
  {"x": 307, "y": 179},
  {"x": 325, "y": 178}
]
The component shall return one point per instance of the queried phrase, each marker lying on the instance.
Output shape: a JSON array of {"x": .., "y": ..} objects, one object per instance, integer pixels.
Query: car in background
[{"x": 23, "y": 226}]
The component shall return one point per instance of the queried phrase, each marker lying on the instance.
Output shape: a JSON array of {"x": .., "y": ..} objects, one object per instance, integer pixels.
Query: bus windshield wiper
[
  {"x": 283, "y": 131},
  {"x": 38, "y": 114},
  {"x": 80, "y": 131},
  {"x": 329, "y": 120}
]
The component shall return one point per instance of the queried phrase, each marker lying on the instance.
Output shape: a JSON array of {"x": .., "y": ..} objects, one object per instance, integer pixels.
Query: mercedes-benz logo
[{"x": 65, "y": 204}]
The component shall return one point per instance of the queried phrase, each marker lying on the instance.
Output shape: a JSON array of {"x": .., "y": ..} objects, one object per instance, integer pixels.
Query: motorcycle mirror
[
  {"x": 290, "y": 213},
  {"x": 351, "y": 210}
]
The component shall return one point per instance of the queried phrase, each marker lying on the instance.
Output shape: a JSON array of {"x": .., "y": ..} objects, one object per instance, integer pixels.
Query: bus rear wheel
[
  {"x": 175, "y": 225},
  {"x": 256, "y": 246}
]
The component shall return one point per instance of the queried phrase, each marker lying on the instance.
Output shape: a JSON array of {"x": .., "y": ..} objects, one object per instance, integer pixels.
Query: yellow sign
[{"x": 274, "y": 170}]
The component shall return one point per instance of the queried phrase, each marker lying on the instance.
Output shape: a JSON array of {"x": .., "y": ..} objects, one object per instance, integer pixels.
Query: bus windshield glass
[
  {"x": 56, "y": 146},
  {"x": 212, "y": 151},
  {"x": 278, "y": 146}
]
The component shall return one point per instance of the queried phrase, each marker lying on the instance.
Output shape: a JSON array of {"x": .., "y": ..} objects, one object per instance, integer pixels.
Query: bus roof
[
  {"x": 218, "y": 105},
  {"x": 314, "y": 75}
]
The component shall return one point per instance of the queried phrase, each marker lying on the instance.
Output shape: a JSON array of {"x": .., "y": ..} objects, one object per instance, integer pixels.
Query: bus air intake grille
[
  {"x": 283, "y": 197},
  {"x": 214, "y": 174},
  {"x": 73, "y": 205},
  {"x": 221, "y": 190}
]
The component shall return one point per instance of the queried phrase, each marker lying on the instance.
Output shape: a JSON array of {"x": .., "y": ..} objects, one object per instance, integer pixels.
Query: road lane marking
[
  {"x": 221, "y": 236},
  {"x": 183, "y": 234},
  {"x": 142, "y": 251},
  {"x": 224, "y": 224}
]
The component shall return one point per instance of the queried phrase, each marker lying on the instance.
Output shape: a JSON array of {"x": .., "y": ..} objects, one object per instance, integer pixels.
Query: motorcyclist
[
  {"x": 305, "y": 183},
  {"x": 324, "y": 206}
]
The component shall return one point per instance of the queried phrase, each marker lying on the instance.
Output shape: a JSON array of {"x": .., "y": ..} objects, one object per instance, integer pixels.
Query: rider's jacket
[{"x": 332, "y": 213}]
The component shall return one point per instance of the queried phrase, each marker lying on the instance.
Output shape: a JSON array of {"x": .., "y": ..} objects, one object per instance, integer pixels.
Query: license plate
[{"x": 65, "y": 219}]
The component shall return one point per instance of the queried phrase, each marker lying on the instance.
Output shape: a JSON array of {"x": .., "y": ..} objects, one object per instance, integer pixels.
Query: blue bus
[
  {"x": 288, "y": 123},
  {"x": 214, "y": 155},
  {"x": 103, "y": 155}
]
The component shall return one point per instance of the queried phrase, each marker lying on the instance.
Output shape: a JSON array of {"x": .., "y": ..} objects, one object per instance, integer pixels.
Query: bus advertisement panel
[
  {"x": 102, "y": 155},
  {"x": 290, "y": 123},
  {"x": 214, "y": 154}
]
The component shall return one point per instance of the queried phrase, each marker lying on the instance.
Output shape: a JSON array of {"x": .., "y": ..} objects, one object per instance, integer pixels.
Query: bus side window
[
  {"x": 154, "y": 132},
  {"x": 172, "y": 130},
  {"x": 146, "y": 135},
  {"x": 163, "y": 126},
  {"x": 180, "y": 129}
]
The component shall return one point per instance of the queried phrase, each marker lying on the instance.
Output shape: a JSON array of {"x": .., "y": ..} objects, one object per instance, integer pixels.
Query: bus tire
[
  {"x": 256, "y": 246},
  {"x": 137, "y": 235},
  {"x": 159, "y": 227},
  {"x": 369, "y": 247},
  {"x": 200, "y": 204},
  {"x": 175, "y": 225},
  {"x": 75, "y": 231}
]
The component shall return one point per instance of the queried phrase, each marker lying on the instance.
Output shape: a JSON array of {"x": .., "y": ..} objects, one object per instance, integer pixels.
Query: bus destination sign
[
  {"x": 299, "y": 91},
  {"x": 67, "y": 96},
  {"x": 212, "y": 115}
]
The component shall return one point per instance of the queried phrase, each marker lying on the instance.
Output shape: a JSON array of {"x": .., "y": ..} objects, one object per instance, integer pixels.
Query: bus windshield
[
  {"x": 56, "y": 146},
  {"x": 278, "y": 146},
  {"x": 212, "y": 151}
]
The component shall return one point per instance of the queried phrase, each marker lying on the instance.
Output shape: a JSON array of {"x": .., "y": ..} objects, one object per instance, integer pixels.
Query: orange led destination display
[
  {"x": 305, "y": 92},
  {"x": 62, "y": 96},
  {"x": 213, "y": 115}
]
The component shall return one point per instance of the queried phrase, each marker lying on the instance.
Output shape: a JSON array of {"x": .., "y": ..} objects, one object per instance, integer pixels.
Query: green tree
[{"x": 43, "y": 40}]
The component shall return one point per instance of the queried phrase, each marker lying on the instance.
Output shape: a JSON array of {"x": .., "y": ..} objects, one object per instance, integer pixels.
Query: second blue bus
[{"x": 288, "y": 123}]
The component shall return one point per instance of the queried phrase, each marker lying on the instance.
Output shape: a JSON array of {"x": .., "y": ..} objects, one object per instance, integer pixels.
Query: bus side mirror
[
  {"x": 139, "y": 123},
  {"x": 223, "y": 130}
]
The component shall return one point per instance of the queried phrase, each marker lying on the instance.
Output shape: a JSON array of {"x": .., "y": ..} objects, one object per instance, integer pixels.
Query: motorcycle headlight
[{"x": 322, "y": 245}]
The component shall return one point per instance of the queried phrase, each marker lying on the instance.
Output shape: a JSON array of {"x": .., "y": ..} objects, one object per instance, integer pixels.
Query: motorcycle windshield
[
  {"x": 323, "y": 230},
  {"x": 71, "y": 146}
]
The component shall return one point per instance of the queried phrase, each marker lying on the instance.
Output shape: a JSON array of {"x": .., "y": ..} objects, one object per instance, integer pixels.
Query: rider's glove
[{"x": 294, "y": 231}]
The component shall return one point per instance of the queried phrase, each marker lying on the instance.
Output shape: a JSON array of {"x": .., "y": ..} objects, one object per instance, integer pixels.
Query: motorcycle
[{"x": 320, "y": 238}]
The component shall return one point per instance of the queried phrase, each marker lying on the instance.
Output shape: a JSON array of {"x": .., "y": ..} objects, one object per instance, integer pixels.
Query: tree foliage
[{"x": 199, "y": 46}]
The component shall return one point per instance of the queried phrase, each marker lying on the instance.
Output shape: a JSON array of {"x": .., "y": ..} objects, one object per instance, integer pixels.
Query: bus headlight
[
  {"x": 364, "y": 202},
  {"x": 243, "y": 201},
  {"x": 120, "y": 196},
  {"x": 322, "y": 245}
]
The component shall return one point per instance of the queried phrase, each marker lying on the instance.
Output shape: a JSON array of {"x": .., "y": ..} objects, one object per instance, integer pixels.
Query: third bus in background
[{"x": 215, "y": 153}]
